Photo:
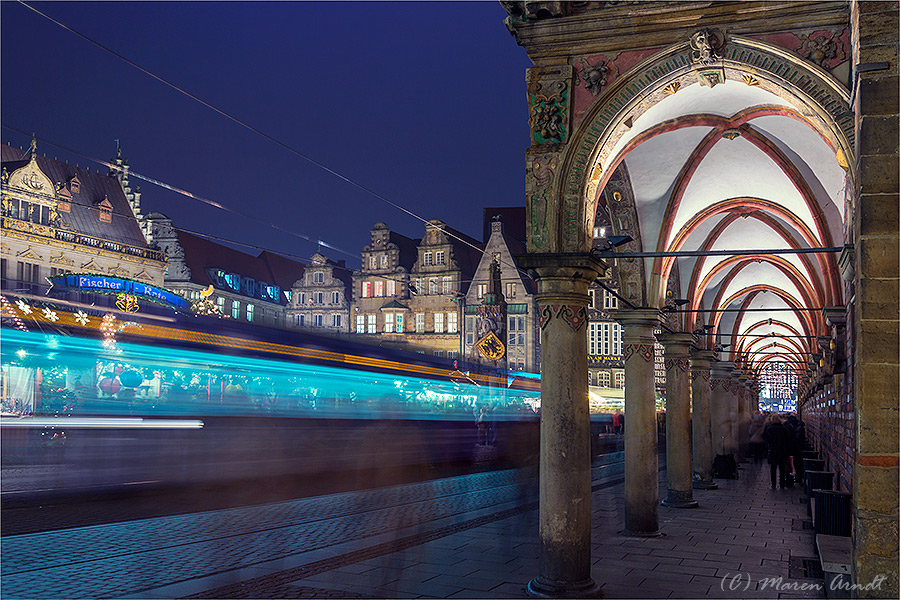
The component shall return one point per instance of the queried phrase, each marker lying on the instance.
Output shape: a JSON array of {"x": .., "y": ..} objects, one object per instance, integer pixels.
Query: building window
[
  {"x": 389, "y": 322},
  {"x": 439, "y": 322},
  {"x": 439, "y": 353},
  {"x": 372, "y": 326},
  {"x": 335, "y": 297},
  {"x": 366, "y": 289},
  {"x": 433, "y": 286},
  {"x": 301, "y": 320},
  {"x": 384, "y": 261},
  {"x": 510, "y": 290},
  {"x": 301, "y": 299},
  {"x": 398, "y": 322},
  {"x": 426, "y": 260},
  {"x": 373, "y": 262},
  {"x": 379, "y": 289},
  {"x": 594, "y": 339},
  {"x": 452, "y": 354},
  {"x": 335, "y": 319},
  {"x": 617, "y": 339},
  {"x": 446, "y": 284},
  {"x": 610, "y": 302},
  {"x": 592, "y": 303},
  {"x": 452, "y": 322},
  {"x": 390, "y": 288},
  {"x": 235, "y": 309},
  {"x": 320, "y": 297},
  {"x": 420, "y": 322},
  {"x": 603, "y": 379},
  {"x": 482, "y": 290},
  {"x": 360, "y": 323},
  {"x": 317, "y": 320},
  {"x": 470, "y": 330},
  {"x": 319, "y": 277},
  {"x": 250, "y": 313},
  {"x": 220, "y": 304},
  {"x": 620, "y": 379},
  {"x": 439, "y": 257},
  {"x": 420, "y": 286}
]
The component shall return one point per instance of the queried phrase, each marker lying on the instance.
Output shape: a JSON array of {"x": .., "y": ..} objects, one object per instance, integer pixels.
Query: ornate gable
[{"x": 30, "y": 179}]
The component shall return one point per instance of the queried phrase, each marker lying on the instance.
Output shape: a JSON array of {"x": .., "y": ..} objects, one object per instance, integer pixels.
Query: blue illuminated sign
[{"x": 115, "y": 285}]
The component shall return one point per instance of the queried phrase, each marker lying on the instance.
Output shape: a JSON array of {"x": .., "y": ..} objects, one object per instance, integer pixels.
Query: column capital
[
  {"x": 702, "y": 358},
  {"x": 640, "y": 317},
  {"x": 678, "y": 341},
  {"x": 722, "y": 369},
  {"x": 571, "y": 265}
]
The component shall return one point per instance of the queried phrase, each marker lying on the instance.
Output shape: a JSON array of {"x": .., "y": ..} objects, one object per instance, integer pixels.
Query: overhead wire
[{"x": 249, "y": 127}]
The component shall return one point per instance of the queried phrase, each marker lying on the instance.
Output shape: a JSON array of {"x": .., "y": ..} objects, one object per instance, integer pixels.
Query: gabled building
[
  {"x": 59, "y": 218},
  {"x": 379, "y": 300},
  {"x": 320, "y": 300},
  {"x": 255, "y": 289},
  {"x": 519, "y": 327},
  {"x": 445, "y": 263}
]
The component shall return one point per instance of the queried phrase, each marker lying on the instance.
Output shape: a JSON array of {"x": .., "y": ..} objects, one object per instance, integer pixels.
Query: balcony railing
[{"x": 78, "y": 238}]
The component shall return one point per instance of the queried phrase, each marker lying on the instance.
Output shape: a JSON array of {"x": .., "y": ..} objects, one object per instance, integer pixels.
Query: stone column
[
  {"x": 641, "y": 463},
  {"x": 734, "y": 403},
  {"x": 720, "y": 398},
  {"x": 875, "y": 310},
  {"x": 743, "y": 421},
  {"x": 700, "y": 419},
  {"x": 565, "y": 462},
  {"x": 680, "y": 491}
]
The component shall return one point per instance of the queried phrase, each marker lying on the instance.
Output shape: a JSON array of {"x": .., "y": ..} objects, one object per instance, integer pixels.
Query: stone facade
[
  {"x": 319, "y": 300},
  {"x": 58, "y": 218}
]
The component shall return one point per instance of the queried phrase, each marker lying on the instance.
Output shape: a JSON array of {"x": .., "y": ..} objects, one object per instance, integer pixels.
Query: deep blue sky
[{"x": 422, "y": 102}]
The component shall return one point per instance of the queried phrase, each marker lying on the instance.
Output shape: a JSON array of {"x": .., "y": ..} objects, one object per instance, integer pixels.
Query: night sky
[{"x": 422, "y": 102}]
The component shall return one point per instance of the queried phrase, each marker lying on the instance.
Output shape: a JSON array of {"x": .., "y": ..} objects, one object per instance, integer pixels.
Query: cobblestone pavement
[{"x": 473, "y": 536}]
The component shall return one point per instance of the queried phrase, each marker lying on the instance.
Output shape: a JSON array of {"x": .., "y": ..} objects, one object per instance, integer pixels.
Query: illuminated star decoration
[
  {"x": 26, "y": 310},
  {"x": 50, "y": 315},
  {"x": 81, "y": 317}
]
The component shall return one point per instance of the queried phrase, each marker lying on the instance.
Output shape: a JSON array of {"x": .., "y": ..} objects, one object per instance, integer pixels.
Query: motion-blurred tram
[{"x": 119, "y": 398}]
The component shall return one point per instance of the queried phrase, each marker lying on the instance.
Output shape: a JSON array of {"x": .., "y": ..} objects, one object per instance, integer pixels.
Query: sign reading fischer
[{"x": 115, "y": 285}]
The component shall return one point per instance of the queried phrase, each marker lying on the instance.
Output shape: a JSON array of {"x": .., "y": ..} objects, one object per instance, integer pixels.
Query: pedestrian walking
[{"x": 780, "y": 442}]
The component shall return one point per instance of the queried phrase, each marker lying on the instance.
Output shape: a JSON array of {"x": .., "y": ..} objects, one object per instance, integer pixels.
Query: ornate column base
[
  {"x": 679, "y": 503},
  {"x": 699, "y": 484},
  {"x": 540, "y": 587}
]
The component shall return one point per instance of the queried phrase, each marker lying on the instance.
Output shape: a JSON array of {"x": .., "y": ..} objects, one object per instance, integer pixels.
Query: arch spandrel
[{"x": 561, "y": 211}]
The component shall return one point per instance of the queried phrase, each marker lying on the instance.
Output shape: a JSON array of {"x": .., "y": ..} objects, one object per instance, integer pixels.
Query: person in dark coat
[
  {"x": 780, "y": 440},
  {"x": 798, "y": 431}
]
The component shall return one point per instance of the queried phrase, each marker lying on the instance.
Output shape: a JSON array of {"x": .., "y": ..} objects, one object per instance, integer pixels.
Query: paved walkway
[{"x": 464, "y": 537}]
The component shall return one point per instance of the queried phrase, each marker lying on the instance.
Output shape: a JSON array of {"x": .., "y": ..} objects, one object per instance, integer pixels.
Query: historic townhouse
[
  {"x": 320, "y": 300},
  {"x": 379, "y": 305},
  {"x": 59, "y": 218},
  {"x": 445, "y": 264}
]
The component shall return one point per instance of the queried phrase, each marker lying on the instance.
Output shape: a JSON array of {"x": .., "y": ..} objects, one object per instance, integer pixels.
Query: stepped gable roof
[
  {"x": 201, "y": 254},
  {"x": 513, "y": 219},
  {"x": 91, "y": 190},
  {"x": 466, "y": 256}
]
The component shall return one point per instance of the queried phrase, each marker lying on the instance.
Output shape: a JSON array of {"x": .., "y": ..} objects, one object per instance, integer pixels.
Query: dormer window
[
  {"x": 427, "y": 258},
  {"x": 105, "y": 209},
  {"x": 318, "y": 277},
  {"x": 75, "y": 185},
  {"x": 439, "y": 257}
]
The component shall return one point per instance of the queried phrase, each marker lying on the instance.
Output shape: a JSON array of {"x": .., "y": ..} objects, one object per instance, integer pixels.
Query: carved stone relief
[{"x": 548, "y": 104}]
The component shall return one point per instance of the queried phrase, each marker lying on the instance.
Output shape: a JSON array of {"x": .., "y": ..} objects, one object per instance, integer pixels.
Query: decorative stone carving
[
  {"x": 750, "y": 79},
  {"x": 706, "y": 46},
  {"x": 594, "y": 76},
  {"x": 821, "y": 49},
  {"x": 731, "y": 134},
  {"x": 672, "y": 88},
  {"x": 645, "y": 351},
  {"x": 548, "y": 100}
]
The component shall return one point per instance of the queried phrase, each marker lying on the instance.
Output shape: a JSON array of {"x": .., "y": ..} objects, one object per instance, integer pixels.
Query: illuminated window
[
  {"x": 439, "y": 353},
  {"x": 372, "y": 326},
  {"x": 427, "y": 258},
  {"x": 366, "y": 289},
  {"x": 446, "y": 283},
  {"x": 452, "y": 322},
  {"x": 220, "y": 302},
  {"x": 335, "y": 297},
  {"x": 361, "y": 323},
  {"x": 250, "y": 312},
  {"x": 594, "y": 338},
  {"x": 373, "y": 261},
  {"x": 235, "y": 309},
  {"x": 389, "y": 322},
  {"x": 439, "y": 257},
  {"x": 399, "y": 323},
  {"x": 233, "y": 280},
  {"x": 439, "y": 322},
  {"x": 617, "y": 339},
  {"x": 319, "y": 277},
  {"x": 384, "y": 261},
  {"x": 379, "y": 289},
  {"x": 482, "y": 290},
  {"x": 390, "y": 287},
  {"x": 420, "y": 322},
  {"x": 620, "y": 379},
  {"x": 433, "y": 286},
  {"x": 335, "y": 319},
  {"x": 420, "y": 286}
]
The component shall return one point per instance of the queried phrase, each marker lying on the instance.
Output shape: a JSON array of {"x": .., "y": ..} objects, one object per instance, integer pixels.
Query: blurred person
[
  {"x": 757, "y": 444},
  {"x": 798, "y": 433},
  {"x": 780, "y": 441}
]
